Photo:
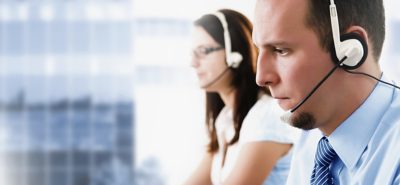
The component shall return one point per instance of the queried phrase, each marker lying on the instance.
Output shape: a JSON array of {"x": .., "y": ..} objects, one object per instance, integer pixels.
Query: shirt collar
[{"x": 350, "y": 139}]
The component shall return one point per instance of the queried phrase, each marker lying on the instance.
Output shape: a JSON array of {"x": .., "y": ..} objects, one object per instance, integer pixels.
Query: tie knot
[{"x": 325, "y": 153}]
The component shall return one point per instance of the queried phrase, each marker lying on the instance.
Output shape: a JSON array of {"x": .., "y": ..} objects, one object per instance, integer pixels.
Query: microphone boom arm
[{"x": 319, "y": 84}]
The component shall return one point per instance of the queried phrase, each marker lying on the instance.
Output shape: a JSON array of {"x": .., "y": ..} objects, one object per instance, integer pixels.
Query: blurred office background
[{"x": 101, "y": 91}]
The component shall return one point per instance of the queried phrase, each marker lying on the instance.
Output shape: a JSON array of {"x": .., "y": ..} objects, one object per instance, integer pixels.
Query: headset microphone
[
  {"x": 286, "y": 116},
  {"x": 215, "y": 79},
  {"x": 317, "y": 86}
]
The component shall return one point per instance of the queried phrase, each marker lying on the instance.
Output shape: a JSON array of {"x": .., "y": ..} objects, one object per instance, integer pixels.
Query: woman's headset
[{"x": 233, "y": 59}]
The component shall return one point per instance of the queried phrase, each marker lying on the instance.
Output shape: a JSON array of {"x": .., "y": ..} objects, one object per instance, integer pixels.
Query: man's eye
[{"x": 281, "y": 51}]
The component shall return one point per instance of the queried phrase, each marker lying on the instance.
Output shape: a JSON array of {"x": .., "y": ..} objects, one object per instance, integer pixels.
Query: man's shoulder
[
  {"x": 396, "y": 98},
  {"x": 391, "y": 117},
  {"x": 388, "y": 131}
]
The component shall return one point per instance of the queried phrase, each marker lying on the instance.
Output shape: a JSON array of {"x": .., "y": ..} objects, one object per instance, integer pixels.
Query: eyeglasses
[{"x": 202, "y": 51}]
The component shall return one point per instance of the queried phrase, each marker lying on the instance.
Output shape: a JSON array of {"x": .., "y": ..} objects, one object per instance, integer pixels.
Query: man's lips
[
  {"x": 280, "y": 98},
  {"x": 283, "y": 102}
]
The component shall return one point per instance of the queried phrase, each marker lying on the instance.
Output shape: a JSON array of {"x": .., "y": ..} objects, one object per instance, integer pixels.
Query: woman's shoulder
[
  {"x": 265, "y": 108},
  {"x": 263, "y": 122}
]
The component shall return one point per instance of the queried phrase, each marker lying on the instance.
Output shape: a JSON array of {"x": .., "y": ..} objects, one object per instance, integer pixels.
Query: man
[{"x": 351, "y": 122}]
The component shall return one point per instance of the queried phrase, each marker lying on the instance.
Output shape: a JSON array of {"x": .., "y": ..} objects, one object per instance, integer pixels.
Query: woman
[{"x": 248, "y": 142}]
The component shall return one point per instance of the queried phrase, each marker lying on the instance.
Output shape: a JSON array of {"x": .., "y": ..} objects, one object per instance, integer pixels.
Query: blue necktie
[{"x": 323, "y": 158}]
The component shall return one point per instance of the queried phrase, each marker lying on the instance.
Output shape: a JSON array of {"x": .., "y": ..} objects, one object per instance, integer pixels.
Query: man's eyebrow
[
  {"x": 268, "y": 44},
  {"x": 273, "y": 44}
]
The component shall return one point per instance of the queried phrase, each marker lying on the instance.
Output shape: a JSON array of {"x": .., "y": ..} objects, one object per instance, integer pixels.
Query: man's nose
[{"x": 266, "y": 71}]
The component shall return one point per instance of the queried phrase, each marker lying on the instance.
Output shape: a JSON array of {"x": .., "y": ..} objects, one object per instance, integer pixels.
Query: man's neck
[{"x": 359, "y": 87}]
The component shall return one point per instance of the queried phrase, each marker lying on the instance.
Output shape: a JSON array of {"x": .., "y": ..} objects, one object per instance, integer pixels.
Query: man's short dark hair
[{"x": 369, "y": 14}]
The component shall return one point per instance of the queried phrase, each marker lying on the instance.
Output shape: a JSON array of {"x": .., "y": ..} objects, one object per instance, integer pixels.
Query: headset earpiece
[
  {"x": 233, "y": 59},
  {"x": 349, "y": 45},
  {"x": 354, "y": 47}
]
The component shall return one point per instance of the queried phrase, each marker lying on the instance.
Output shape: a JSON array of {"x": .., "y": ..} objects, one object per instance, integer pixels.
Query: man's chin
[{"x": 302, "y": 120}]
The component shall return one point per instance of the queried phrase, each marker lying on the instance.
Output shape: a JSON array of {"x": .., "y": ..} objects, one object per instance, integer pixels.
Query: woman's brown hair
[{"x": 246, "y": 89}]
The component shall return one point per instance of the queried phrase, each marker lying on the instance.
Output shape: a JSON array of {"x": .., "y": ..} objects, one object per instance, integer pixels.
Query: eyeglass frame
[{"x": 202, "y": 51}]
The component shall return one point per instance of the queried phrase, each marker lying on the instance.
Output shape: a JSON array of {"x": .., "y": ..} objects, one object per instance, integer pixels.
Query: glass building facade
[{"x": 66, "y": 109}]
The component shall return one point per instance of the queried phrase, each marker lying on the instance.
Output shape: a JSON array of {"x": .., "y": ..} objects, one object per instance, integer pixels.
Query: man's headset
[
  {"x": 348, "y": 53},
  {"x": 233, "y": 59}
]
